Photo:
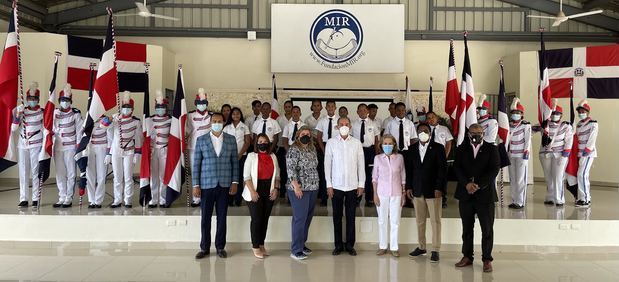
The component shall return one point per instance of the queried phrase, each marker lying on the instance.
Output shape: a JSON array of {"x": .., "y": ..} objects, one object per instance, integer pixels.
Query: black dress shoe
[
  {"x": 114, "y": 206},
  {"x": 352, "y": 252},
  {"x": 64, "y": 206},
  {"x": 97, "y": 206},
  {"x": 35, "y": 204},
  {"x": 152, "y": 206},
  {"x": 202, "y": 254},
  {"x": 23, "y": 204},
  {"x": 193, "y": 205},
  {"x": 444, "y": 205},
  {"x": 92, "y": 206},
  {"x": 337, "y": 251},
  {"x": 57, "y": 205},
  {"x": 128, "y": 206},
  {"x": 222, "y": 253},
  {"x": 549, "y": 203}
]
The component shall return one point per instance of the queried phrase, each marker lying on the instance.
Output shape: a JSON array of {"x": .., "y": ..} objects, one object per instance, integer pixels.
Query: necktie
[
  {"x": 433, "y": 135},
  {"x": 329, "y": 131},
  {"x": 264, "y": 127},
  {"x": 294, "y": 131},
  {"x": 255, "y": 118},
  {"x": 401, "y": 137},
  {"x": 362, "y": 137}
]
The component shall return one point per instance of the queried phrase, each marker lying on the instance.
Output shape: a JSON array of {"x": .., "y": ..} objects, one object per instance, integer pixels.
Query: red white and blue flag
[
  {"x": 45, "y": 156},
  {"x": 274, "y": 102},
  {"x": 145, "y": 173},
  {"x": 466, "y": 108},
  {"x": 544, "y": 94},
  {"x": 174, "y": 175},
  {"x": 452, "y": 93},
  {"x": 10, "y": 84},
  {"x": 503, "y": 122}
]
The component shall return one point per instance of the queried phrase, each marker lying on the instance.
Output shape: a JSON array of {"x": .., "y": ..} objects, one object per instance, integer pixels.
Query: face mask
[
  {"x": 421, "y": 118},
  {"x": 476, "y": 138},
  {"x": 125, "y": 111},
  {"x": 262, "y": 147},
  {"x": 217, "y": 127},
  {"x": 582, "y": 116},
  {"x": 33, "y": 104},
  {"x": 483, "y": 112},
  {"x": 556, "y": 118},
  {"x": 424, "y": 137},
  {"x": 388, "y": 149},
  {"x": 201, "y": 107},
  {"x": 344, "y": 130},
  {"x": 516, "y": 117},
  {"x": 305, "y": 139},
  {"x": 160, "y": 111},
  {"x": 65, "y": 105}
]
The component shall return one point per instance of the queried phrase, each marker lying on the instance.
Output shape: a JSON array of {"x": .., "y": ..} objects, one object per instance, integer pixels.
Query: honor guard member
[
  {"x": 96, "y": 171},
  {"x": 587, "y": 132},
  {"x": 29, "y": 122},
  {"x": 518, "y": 149},
  {"x": 421, "y": 115},
  {"x": 67, "y": 127},
  {"x": 159, "y": 132},
  {"x": 198, "y": 124},
  {"x": 125, "y": 151},
  {"x": 488, "y": 123},
  {"x": 554, "y": 156}
]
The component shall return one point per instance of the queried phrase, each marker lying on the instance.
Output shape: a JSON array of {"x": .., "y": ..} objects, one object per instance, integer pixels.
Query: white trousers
[
  {"x": 518, "y": 171},
  {"x": 190, "y": 152},
  {"x": 123, "y": 178},
  {"x": 389, "y": 213},
  {"x": 95, "y": 174},
  {"x": 65, "y": 175},
  {"x": 157, "y": 166},
  {"x": 554, "y": 173},
  {"x": 584, "y": 187},
  {"x": 29, "y": 171}
]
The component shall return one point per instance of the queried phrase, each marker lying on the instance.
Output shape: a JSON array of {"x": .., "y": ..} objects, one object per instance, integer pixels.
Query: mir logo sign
[{"x": 336, "y": 37}]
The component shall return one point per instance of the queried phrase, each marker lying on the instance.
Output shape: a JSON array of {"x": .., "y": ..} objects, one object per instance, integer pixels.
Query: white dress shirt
[
  {"x": 218, "y": 142},
  {"x": 409, "y": 131},
  {"x": 344, "y": 163},
  {"x": 323, "y": 126},
  {"x": 239, "y": 133},
  {"x": 249, "y": 121},
  {"x": 476, "y": 148},
  {"x": 422, "y": 150},
  {"x": 312, "y": 122},
  {"x": 289, "y": 130},
  {"x": 371, "y": 131},
  {"x": 441, "y": 134},
  {"x": 282, "y": 121},
  {"x": 272, "y": 127},
  {"x": 378, "y": 122},
  {"x": 387, "y": 121}
]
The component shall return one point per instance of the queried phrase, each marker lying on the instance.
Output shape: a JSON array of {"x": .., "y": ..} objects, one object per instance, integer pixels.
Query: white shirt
[
  {"x": 312, "y": 122},
  {"x": 344, "y": 163},
  {"x": 378, "y": 123},
  {"x": 323, "y": 126},
  {"x": 422, "y": 150},
  {"x": 239, "y": 133},
  {"x": 272, "y": 127},
  {"x": 476, "y": 148},
  {"x": 218, "y": 142},
  {"x": 441, "y": 134},
  {"x": 409, "y": 131},
  {"x": 371, "y": 131},
  {"x": 282, "y": 121},
  {"x": 249, "y": 121},
  {"x": 387, "y": 121},
  {"x": 289, "y": 130}
]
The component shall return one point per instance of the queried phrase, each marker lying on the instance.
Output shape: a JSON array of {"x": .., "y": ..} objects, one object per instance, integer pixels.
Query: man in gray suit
[{"x": 215, "y": 171}]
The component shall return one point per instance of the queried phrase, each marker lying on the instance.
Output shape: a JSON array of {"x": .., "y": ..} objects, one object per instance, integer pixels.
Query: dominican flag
[
  {"x": 452, "y": 94},
  {"x": 275, "y": 103},
  {"x": 466, "y": 107},
  {"x": 593, "y": 72},
  {"x": 45, "y": 156},
  {"x": 10, "y": 82},
  {"x": 81, "y": 155},
  {"x": 145, "y": 193},
  {"x": 130, "y": 60},
  {"x": 430, "y": 99},
  {"x": 544, "y": 94},
  {"x": 503, "y": 122},
  {"x": 408, "y": 100},
  {"x": 174, "y": 175},
  {"x": 571, "y": 170}
]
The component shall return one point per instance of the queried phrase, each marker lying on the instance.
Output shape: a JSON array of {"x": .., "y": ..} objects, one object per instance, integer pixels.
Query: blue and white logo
[{"x": 336, "y": 36}]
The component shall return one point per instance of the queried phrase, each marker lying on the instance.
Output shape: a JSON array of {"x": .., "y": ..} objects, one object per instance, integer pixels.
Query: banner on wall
[{"x": 337, "y": 38}]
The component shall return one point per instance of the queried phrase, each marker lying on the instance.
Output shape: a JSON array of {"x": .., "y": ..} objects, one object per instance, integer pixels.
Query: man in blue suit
[{"x": 215, "y": 171}]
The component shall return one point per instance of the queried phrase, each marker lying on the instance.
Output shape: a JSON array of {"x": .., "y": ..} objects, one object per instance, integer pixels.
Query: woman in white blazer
[{"x": 261, "y": 175}]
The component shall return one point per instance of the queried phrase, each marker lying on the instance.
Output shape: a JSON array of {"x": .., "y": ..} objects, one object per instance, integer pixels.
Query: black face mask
[
  {"x": 262, "y": 147},
  {"x": 476, "y": 138},
  {"x": 305, "y": 139}
]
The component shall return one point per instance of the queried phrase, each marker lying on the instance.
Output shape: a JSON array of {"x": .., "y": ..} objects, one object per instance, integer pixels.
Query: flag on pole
[
  {"x": 544, "y": 94},
  {"x": 466, "y": 108},
  {"x": 408, "y": 100},
  {"x": 571, "y": 169},
  {"x": 430, "y": 99},
  {"x": 503, "y": 121},
  {"x": 10, "y": 85},
  {"x": 452, "y": 94},
  {"x": 274, "y": 102},
  {"x": 81, "y": 155},
  {"x": 145, "y": 193},
  {"x": 45, "y": 156},
  {"x": 174, "y": 175}
]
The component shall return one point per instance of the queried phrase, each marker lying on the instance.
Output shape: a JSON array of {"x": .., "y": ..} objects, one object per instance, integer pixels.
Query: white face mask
[
  {"x": 516, "y": 117},
  {"x": 555, "y": 118},
  {"x": 582, "y": 115},
  {"x": 483, "y": 112},
  {"x": 160, "y": 111},
  {"x": 65, "y": 105},
  {"x": 424, "y": 137},
  {"x": 125, "y": 111},
  {"x": 344, "y": 130},
  {"x": 201, "y": 107}
]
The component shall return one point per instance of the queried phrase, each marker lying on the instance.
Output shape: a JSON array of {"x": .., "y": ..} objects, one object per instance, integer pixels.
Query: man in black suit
[
  {"x": 476, "y": 166},
  {"x": 426, "y": 170}
]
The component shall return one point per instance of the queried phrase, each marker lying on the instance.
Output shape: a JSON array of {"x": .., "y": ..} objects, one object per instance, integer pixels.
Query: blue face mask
[
  {"x": 33, "y": 104},
  {"x": 483, "y": 112},
  {"x": 160, "y": 111},
  {"x": 388, "y": 149},
  {"x": 126, "y": 111},
  {"x": 516, "y": 117},
  {"x": 201, "y": 107},
  {"x": 217, "y": 127},
  {"x": 421, "y": 118}
]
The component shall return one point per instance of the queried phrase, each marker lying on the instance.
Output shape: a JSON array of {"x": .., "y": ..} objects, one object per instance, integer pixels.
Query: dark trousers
[
  {"x": 260, "y": 212},
  {"x": 322, "y": 183},
  {"x": 302, "y": 214},
  {"x": 408, "y": 203},
  {"x": 369, "y": 153},
  {"x": 215, "y": 197},
  {"x": 237, "y": 198},
  {"x": 485, "y": 214},
  {"x": 344, "y": 202},
  {"x": 283, "y": 173}
]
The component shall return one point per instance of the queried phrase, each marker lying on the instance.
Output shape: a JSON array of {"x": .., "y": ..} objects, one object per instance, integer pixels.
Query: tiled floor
[
  {"x": 604, "y": 205},
  {"x": 179, "y": 265}
]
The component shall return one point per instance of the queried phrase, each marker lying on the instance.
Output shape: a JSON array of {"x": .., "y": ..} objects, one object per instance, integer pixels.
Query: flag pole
[
  {"x": 146, "y": 70},
  {"x": 185, "y": 159},
  {"x": 501, "y": 182}
]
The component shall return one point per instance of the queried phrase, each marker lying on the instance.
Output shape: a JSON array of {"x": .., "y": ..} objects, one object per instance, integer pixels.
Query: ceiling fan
[
  {"x": 561, "y": 17},
  {"x": 144, "y": 12}
]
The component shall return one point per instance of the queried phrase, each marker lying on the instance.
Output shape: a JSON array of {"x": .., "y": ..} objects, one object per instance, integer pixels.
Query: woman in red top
[{"x": 261, "y": 175}]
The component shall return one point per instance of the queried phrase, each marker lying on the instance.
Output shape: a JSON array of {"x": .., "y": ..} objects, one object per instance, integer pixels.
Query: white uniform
[
  {"x": 30, "y": 126},
  {"x": 323, "y": 127},
  {"x": 553, "y": 163},
  {"x": 67, "y": 131},
  {"x": 268, "y": 126},
  {"x": 249, "y": 121},
  {"x": 518, "y": 150},
  {"x": 125, "y": 150},
  {"x": 378, "y": 123},
  {"x": 198, "y": 124},
  {"x": 312, "y": 123},
  {"x": 387, "y": 121},
  {"x": 587, "y": 132},
  {"x": 491, "y": 128},
  {"x": 442, "y": 135},
  {"x": 282, "y": 121},
  {"x": 96, "y": 171},
  {"x": 371, "y": 131},
  {"x": 159, "y": 132},
  {"x": 408, "y": 128},
  {"x": 239, "y": 133},
  {"x": 288, "y": 131}
]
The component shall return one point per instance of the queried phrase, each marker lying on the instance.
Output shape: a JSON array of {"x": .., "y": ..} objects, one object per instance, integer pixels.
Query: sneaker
[
  {"x": 417, "y": 252},
  {"x": 307, "y": 251},
  {"x": 434, "y": 257},
  {"x": 298, "y": 256}
]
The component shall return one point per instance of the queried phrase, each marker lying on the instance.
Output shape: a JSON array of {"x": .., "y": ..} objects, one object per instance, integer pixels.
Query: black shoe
[
  {"x": 23, "y": 204},
  {"x": 434, "y": 257},
  {"x": 337, "y": 251},
  {"x": 352, "y": 252},
  {"x": 97, "y": 206},
  {"x": 582, "y": 204},
  {"x": 35, "y": 204},
  {"x": 202, "y": 254},
  {"x": 64, "y": 206},
  {"x": 152, "y": 206},
  {"x": 92, "y": 206},
  {"x": 57, "y": 205},
  {"x": 444, "y": 205},
  {"x": 222, "y": 253},
  {"x": 417, "y": 252},
  {"x": 549, "y": 203},
  {"x": 114, "y": 206},
  {"x": 193, "y": 205},
  {"x": 559, "y": 205},
  {"x": 128, "y": 206},
  {"x": 307, "y": 251}
]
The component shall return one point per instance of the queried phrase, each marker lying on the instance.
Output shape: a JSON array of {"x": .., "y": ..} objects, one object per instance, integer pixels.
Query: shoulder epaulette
[{"x": 76, "y": 110}]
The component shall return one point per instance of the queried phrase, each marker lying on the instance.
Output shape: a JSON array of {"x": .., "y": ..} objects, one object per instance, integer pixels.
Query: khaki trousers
[{"x": 433, "y": 207}]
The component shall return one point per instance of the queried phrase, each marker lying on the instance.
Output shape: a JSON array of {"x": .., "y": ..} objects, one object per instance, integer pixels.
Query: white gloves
[
  {"x": 108, "y": 159},
  {"x": 136, "y": 158},
  {"x": 19, "y": 109}
]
